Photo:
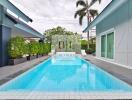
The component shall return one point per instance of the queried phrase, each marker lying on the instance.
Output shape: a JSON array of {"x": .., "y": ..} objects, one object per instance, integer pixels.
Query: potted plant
[
  {"x": 40, "y": 50},
  {"x": 47, "y": 48},
  {"x": 16, "y": 50},
  {"x": 33, "y": 50},
  {"x": 90, "y": 51}
]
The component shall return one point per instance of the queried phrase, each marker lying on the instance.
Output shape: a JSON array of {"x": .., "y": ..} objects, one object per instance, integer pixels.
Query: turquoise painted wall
[
  {"x": 1, "y": 14},
  {"x": 121, "y": 21},
  {"x": 121, "y": 15}
]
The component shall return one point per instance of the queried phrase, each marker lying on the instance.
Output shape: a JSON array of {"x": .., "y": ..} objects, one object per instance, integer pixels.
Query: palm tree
[{"x": 86, "y": 11}]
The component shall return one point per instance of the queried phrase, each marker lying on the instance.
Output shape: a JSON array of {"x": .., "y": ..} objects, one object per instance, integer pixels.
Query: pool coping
[
  {"x": 65, "y": 95},
  {"x": 68, "y": 95}
]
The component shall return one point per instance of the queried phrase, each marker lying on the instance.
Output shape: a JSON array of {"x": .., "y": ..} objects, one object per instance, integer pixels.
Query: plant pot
[
  {"x": 16, "y": 61},
  {"x": 45, "y": 54},
  {"x": 31, "y": 57},
  {"x": 38, "y": 56},
  {"x": 88, "y": 52}
]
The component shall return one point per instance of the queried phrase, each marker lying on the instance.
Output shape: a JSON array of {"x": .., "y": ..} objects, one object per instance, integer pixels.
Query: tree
[
  {"x": 56, "y": 31},
  {"x": 86, "y": 11}
]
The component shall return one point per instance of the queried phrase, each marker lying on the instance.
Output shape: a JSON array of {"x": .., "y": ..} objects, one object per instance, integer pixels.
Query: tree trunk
[
  {"x": 88, "y": 38},
  {"x": 88, "y": 35},
  {"x": 87, "y": 22}
]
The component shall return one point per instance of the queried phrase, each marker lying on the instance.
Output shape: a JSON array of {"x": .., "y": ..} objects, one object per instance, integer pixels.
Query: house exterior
[
  {"x": 13, "y": 23},
  {"x": 114, "y": 33}
]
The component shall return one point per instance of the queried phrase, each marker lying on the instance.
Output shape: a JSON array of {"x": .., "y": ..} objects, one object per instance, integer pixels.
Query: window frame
[
  {"x": 106, "y": 33},
  {"x": 104, "y": 45}
]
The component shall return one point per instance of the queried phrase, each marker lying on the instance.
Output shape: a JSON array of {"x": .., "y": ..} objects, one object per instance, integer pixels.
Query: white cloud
[{"x": 51, "y": 13}]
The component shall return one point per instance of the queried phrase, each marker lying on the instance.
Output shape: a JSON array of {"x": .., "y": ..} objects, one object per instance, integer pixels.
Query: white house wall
[{"x": 121, "y": 22}]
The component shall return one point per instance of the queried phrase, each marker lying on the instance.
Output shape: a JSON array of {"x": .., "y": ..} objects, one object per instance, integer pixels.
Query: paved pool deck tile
[
  {"x": 120, "y": 72},
  {"x": 66, "y": 95},
  {"x": 9, "y": 72}
]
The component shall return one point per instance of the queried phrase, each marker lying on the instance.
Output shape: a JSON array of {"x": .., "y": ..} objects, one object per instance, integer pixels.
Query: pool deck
[
  {"x": 120, "y": 72},
  {"x": 9, "y": 72}
]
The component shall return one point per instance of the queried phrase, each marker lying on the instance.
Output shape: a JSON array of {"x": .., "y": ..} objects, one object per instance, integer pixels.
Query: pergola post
[{"x": 5, "y": 35}]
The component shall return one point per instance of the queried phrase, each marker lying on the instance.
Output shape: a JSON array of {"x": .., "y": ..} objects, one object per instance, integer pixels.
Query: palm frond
[
  {"x": 93, "y": 2},
  {"x": 75, "y": 15},
  {"x": 81, "y": 2},
  {"x": 80, "y": 12},
  {"x": 93, "y": 12},
  {"x": 81, "y": 20},
  {"x": 83, "y": 14}
]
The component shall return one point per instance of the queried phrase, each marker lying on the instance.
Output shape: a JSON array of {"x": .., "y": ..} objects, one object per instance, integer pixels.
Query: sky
[{"x": 47, "y": 14}]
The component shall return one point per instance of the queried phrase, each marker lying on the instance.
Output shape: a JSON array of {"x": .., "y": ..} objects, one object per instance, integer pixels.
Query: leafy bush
[
  {"x": 47, "y": 48},
  {"x": 16, "y": 47},
  {"x": 84, "y": 44},
  {"x": 33, "y": 48},
  {"x": 90, "y": 51},
  {"x": 41, "y": 48},
  {"x": 91, "y": 48}
]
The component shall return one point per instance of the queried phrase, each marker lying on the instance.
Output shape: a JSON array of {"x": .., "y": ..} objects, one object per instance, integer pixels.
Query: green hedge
[
  {"x": 84, "y": 44},
  {"x": 33, "y": 48},
  {"x": 17, "y": 47},
  {"x": 47, "y": 48},
  {"x": 39, "y": 48}
]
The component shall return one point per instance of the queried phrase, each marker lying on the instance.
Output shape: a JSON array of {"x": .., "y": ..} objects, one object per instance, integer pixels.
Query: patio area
[
  {"x": 9, "y": 72},
  {"x": 120, "y": 72}
]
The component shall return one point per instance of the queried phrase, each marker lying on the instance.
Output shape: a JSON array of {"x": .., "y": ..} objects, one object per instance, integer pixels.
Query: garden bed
[
  {"x": 38, "y": 56},
  {"x": 31, "y": 57},
  {"x": 16, "y": 61}
]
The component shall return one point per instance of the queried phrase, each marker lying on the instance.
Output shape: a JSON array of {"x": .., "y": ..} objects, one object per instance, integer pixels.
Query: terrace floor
[
  {"x": 9, "y": 72},
  {"x": 120, "y": 72}
]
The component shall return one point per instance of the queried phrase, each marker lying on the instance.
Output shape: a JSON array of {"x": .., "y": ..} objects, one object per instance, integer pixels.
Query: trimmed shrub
[
  {"x": 16, "y": 47},
  {"x": 84, "y": 44},
  {"x": 47, "y": 48},
  {"x": 92, "y": 49},
  {"x": 41, "y": 48},
  {"x": 33, "y": 48}
]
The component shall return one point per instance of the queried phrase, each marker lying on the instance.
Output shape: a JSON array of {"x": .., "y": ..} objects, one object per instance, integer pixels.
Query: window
[
  {"x": 103, "y": 45},
  {"x": 110, "y": 45},
  {"x": 107, "y": 45},
  {"x": 70, "y": 45},
  {"x": 61, "y": 45}
]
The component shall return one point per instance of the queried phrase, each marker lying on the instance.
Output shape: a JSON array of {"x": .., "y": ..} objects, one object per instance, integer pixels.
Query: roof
[
  {"x": 7, "y": 4},
  {"x": 112, "y": 6},
  {"x": 29, "y": 30},
  {"x": 23, "y": 26},
  {"x": 18, "y": 23}
]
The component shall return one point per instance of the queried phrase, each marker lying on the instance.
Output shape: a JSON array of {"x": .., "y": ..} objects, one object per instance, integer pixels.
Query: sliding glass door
[
  {"x": 103, "y": 45},
  {"x": 110, "y": 45},
  {"x": 107, "y": 45}
]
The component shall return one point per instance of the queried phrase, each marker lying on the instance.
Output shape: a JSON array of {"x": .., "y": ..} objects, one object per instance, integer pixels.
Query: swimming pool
[{"x": 66, "y": 74}]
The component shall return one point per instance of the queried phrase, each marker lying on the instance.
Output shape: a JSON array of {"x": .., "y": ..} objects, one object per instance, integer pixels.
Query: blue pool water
[{"x": 65, "y": 74}]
